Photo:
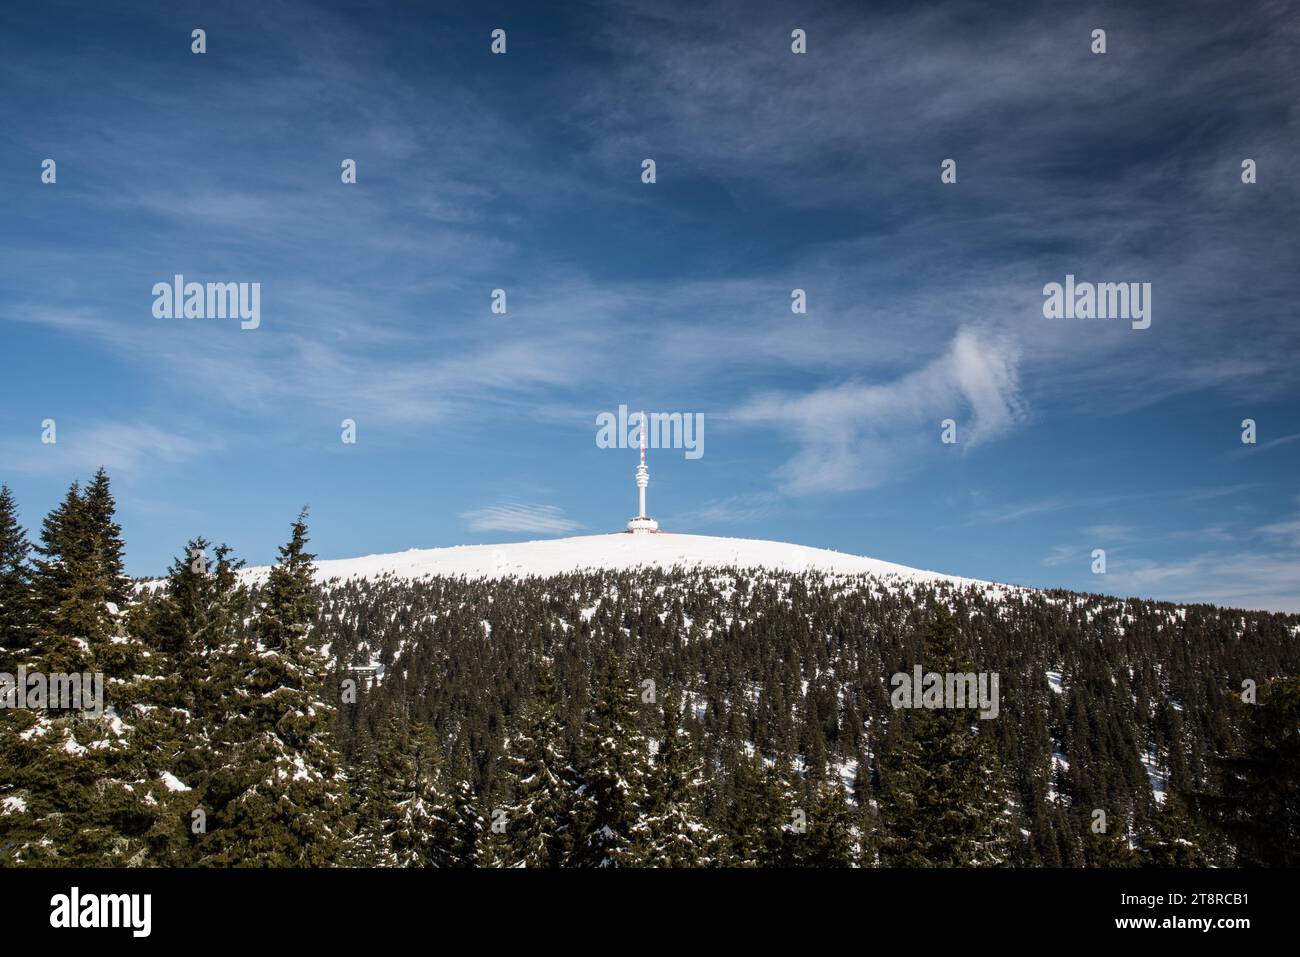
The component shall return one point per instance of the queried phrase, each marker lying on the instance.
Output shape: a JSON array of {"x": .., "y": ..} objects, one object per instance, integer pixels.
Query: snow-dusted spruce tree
[
  {"x": 374, "y": 778},
  {"x": 1173, "y": 839},
  {"x": 177, "y": 703},
  {"x": 615, "y": 777},
  {"x": 400, "y": 801},
  {"x": 832, "y": 837},
  {"x": 71, "y": 604},
  {"x": 945, "y": 798},
  {"x": 760, "y": 818},
  {"x": 538, "y": 779},
  {"x": 16, "y": 626},
  {"x": 677, "y": 835},
  {"x": 15, "y": 586},
  {"x": 458, "y": 832},
  {"x": 190, "y": 623},
  {"x": 366, "y": 845},
  {"x": 277, "y": 796},
  {"x": 73, "y": 788},
  {"x": 101, "y": 509}
]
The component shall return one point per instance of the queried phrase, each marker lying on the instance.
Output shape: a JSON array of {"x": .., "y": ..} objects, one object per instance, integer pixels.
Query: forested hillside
[
  {"x": 1105, "y": 704},
  {"x": 701, "y": 717}
]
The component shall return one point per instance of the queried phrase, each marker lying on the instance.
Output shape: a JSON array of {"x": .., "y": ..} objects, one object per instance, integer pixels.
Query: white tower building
[{"x": 642, "y": 522}]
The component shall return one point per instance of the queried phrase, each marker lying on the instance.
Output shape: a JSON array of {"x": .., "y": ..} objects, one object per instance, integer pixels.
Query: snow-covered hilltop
[{"x": 614, "y": 551}]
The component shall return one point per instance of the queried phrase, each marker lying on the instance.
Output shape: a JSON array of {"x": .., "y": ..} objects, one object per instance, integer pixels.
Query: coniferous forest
[{"x": 670, "y": 718}]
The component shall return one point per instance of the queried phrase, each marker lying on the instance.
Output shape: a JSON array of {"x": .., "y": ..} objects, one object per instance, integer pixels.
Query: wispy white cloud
[
  {"x": 1287, "y": 530},
  {"x": 1016, "y": 511},
  {"x": 1256, "y": 580},
  {"x": 1222, "y": 491},
  {"x": 732, "y": 510},
  {"x": 1061, "y": 554},
  {"x": 1103, "y": 534},
  {"x": 1265, "y": 446},
  {"x": 857, "y": 435},
  {"x": 1246, "y": 566},
  {"x": 125, "y": 448},
  {"x": 513, "y": 517}
]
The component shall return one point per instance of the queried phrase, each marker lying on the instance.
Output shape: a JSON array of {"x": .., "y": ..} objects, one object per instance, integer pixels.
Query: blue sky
[{"x": 775, "y": 172}]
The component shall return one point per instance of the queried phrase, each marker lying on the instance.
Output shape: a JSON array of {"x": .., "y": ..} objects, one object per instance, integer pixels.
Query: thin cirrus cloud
[
  {"x": 856, "y": 436},
  {"x": 1236, "y": 579},
  {"x": 1287, "y": 530},
  {"x": 514, "y": 517},
  {"x": 125, "y": 447},
  {"x": 731, "y": 510},
  {"x": 1265, "y": 446},
  {"x": 980, "y": 78}
]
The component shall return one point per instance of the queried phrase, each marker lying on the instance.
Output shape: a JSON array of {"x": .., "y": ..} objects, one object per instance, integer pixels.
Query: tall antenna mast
[
  {"x": 642, "y": 473},
  {"x": 642, "y": 522}
]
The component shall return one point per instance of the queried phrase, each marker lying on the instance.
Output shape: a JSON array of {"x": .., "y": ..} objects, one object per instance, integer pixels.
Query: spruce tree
[
  {"x": 15, "y": 586},
  {"x": 70, "y": 794},
  {"x": 614, "y": 776},
  {"x": 74, "y": 775},
  {"x": 73, "y": 618},
  {"x": 832, "y": 836},
  {"x": 1110, "y": 849},
  {"x": 100, "y": 516},
  {"x": 369, "y": 846},
  {"x": 945, "y": 799},
  {"x": 866, "y": 813},
  {"x": 677, "y": 835},
  {"x": 741, "y": 821},
  {"x": 78, "y": 584},
  {"x": 458, "y": 831},
  {"x": 538, "y": 778},
  {"x": 1258, "y": 804},
  {"x": 278, "y": 795},
  {"x": 780, "y": 815},
  {"x": 1172, "y": 839},
  {"x": 761, "y": 817},
  {"x": 191, "y": 624},
  {"x": 62, "y": 538},
  {"x": 400, "y": 802},
  {"x": 180, "y": 698}
]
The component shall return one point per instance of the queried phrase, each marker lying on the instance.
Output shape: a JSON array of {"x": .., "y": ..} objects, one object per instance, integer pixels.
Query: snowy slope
[{"x": 614, "y": 551}]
